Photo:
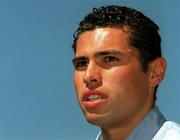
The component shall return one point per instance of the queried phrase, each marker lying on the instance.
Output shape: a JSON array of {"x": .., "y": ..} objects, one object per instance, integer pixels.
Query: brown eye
[
  {"x": 81, "y": 65},
  {"x": 110, "y": 59}
]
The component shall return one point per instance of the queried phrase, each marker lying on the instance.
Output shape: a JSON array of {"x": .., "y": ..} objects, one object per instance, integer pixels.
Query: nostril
[
  {"x": 93, "y": 82},
  {"x": 91, "y": 78}
]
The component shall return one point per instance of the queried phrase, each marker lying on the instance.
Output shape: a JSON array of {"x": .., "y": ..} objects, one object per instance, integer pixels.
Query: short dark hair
[{"x": 143, "y": 32}]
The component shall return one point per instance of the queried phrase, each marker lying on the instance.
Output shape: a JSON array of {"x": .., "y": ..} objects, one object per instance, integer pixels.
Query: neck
[
  {"x": 124, "y": 128},
  {"x": 115, "y": 134}
]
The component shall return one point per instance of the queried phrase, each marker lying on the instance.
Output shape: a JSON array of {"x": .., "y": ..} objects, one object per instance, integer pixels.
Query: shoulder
[{"x": 169, "y": 131}]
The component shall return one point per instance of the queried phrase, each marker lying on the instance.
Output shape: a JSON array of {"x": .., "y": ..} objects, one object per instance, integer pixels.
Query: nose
[{"x": 92, "y": 77}]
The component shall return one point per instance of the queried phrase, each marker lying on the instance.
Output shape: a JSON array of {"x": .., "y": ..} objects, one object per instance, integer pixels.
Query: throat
[{"x": 120, "y": 133}]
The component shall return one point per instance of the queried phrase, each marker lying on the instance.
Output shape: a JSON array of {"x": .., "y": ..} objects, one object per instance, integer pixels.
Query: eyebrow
[
  {"x": 107, "y": 52},
  {"x": 98, "y": 54}
]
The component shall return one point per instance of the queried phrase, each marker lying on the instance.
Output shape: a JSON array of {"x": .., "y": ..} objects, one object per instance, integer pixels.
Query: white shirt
[{"x": 169, "y": 131}]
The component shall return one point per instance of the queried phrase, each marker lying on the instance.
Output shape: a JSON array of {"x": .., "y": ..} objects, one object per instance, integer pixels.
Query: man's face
[{"x": 111, "y": 87}]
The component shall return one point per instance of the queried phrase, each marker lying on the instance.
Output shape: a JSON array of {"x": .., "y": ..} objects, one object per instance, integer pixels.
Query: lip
[{"x": 93, "y": 104}]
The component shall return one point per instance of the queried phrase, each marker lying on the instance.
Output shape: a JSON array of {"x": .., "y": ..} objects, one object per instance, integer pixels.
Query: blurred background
[{"x": 37, "y": 97}]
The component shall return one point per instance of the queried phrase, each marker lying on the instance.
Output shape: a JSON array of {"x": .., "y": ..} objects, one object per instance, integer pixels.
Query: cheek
[
  {"x": 125, "y": 82},
  {"x": 117, "y": 85},
  {"x": 125, "y": 90},
  {"x": 78, "y": 84},
  {"x": 77, "y": 79},
  {"x": 117, "y": 77}
]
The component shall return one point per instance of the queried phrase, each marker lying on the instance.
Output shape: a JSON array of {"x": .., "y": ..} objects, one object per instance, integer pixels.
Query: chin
[
  {"x": 93, "y": 119},
  {"x": 94, "y": 122}
]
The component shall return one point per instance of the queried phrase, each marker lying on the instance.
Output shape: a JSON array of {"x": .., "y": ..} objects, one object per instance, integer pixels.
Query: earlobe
[{"x": 157, "y": 71}]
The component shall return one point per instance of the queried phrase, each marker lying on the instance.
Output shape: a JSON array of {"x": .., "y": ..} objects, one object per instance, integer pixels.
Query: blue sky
[{"x": 37, "y": 97}]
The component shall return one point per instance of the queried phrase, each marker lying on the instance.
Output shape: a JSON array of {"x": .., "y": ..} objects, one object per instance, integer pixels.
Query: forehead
[{"x": 103, "y": 39}]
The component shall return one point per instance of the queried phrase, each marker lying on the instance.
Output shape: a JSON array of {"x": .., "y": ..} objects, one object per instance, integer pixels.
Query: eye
[
  {"x": 110, "y": 59},
  {"x": 81, "y": 65}
]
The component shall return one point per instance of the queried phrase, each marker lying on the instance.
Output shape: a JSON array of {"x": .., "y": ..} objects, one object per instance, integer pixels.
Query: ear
[{"x": 157, "y": 71}]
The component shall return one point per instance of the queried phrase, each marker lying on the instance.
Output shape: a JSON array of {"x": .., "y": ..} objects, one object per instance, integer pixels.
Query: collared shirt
[
  {"x": 153, "y": 127},
  {"x": 169, "y": 131}
]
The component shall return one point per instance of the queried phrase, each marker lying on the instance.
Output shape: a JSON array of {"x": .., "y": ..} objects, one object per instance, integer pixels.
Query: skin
[{"x": 105, "y": 63}]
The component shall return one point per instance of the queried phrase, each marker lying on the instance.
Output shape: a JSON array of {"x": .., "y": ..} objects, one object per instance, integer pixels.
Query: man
[{"x": 117, "y": 68}]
